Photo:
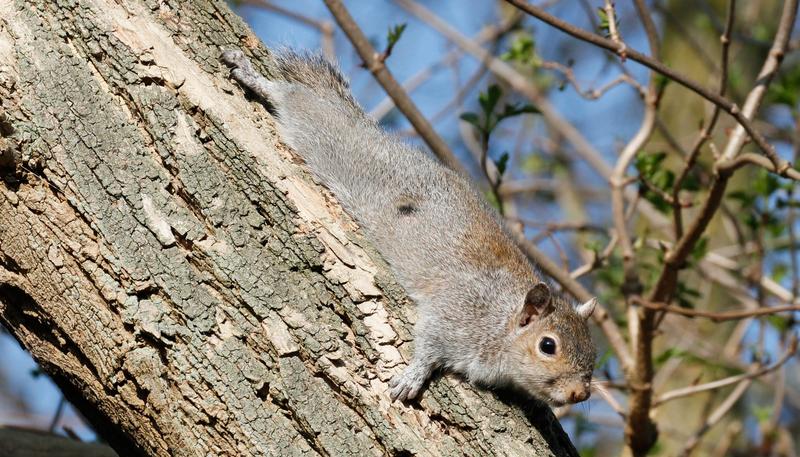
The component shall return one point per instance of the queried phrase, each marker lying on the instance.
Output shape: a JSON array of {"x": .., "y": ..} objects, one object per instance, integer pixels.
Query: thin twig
[
  {"x": 717, "y": 316},
  {"x": 517, "y": 81},
  {"x": 486, "y": 34},
  {"x": 729, "y": 166},
  {"x": 591, "y": 94},
  {"x": 768, "y": 71},
  {"x": 675, "y": 258},
  {"x": 600, "y": 388},
  {"x": 656, "y": 65},
  {"x": 522, "y": 84},
  {"x": 716, "y": 416},
  {"x": 649, "y": 28},
  {"x": 391, "y": 86},
  {"x": 639, "y": 427},
  {"x": 62, "y": 402},
  {"x": 597, "y": 259},
  {"x": 611, "y": 17},
  {"x": 753, "y": 373},
  {"x": 325, "y": 28},
  {"x": 705, "y": 133}
]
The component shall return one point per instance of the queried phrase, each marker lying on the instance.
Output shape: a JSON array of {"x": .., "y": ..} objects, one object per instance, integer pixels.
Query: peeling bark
[{"x": 173, "y": 267}]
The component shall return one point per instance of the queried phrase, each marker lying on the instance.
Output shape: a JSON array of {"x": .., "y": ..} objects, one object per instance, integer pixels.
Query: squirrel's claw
[
  {"x": 408, "y": 384},
  {"x": 403, "y": 390}
]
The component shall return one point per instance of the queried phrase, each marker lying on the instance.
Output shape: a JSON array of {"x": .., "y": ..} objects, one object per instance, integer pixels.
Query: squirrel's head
[{"x": 551, "y": 353}]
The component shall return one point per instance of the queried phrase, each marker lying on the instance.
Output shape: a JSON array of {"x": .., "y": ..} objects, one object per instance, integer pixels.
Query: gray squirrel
[{"x": 484, "y": 310}]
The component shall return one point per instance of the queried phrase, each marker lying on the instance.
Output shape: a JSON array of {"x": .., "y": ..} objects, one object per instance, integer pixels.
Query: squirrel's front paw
[{"x": 406, "y": 385}]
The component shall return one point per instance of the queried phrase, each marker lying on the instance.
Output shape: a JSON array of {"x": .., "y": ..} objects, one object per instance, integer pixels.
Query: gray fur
[{"x": 446, "y": 246}]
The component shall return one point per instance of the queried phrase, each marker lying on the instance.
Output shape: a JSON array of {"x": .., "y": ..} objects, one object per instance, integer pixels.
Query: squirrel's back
[
  {"x": 405, "y": 198},
  {"x": 483, "y": 310}
]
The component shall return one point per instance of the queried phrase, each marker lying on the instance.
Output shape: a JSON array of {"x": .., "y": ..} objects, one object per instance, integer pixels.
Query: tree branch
[
  {"x": 716, "y": 316},
  {"x": 654, "y": 64},
  {"x": 391, "y": 86},
  {"x": 705, "y": 133},
  {"x": 754, "y": 373}
]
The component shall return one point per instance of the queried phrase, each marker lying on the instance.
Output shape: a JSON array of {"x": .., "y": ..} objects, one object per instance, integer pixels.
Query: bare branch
[
  {"x": 754, "y": 159},
  {"x": 611, "y": 17},
  {"x": 753, "y": 373},
  {"x": 517, "y": 81},
  {"x": 717, "y": 316},
  {"x": 391, "y": 86},
  {"x": 768, "y": 71},
  {"x": 325, "y": 28},
  {"x": 716, "y": 416},
  {"x": 592, "y": 94},
  {"x": 649, "y": 27},
  {"x": 488, "y": 33},
  {"x": 654, "y": 64},
  {"x": 705, "y": 133}
]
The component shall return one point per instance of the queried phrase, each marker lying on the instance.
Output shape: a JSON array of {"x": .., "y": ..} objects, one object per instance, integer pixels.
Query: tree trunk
[{"x": 173, "y": 267}]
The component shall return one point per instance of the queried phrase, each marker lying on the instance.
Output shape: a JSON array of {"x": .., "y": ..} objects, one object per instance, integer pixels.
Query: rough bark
[{"x": 177, "y": 272}]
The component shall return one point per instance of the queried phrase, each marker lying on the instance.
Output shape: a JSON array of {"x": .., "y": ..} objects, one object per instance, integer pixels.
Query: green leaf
[
  {"x": 762, "y": 413},
  {"x": 394, "y": 34},
  {"x": 604, "y": 358},
  {"x": 657, "y": 448},
  {"x": 649, "y": 164},
  {"x": 779, "y": 271},
  {"x": 684, "y": 295},
  {"x": 783, "y": 203},
  {"x": 650, "y": 168},
  {"x": 700, "y": 249},
  {"x": 765, "y": 183},
  {"x": 492, "y": 198},
  {"x": 669, "y": 354},
  {"x": 36, "y": 372},
  {"x": 661, "y": 82},
  {"x": 745, "y": 200},
  {"x": 473, "y": 119},
  {"x": 537, "y": 162},
  {"x": 664, "y": 179},
  {"x": 522, "y": 51},
  {"x": 776, "y": 226},
  {"x": 502, "y": 163},
  {"x": 691, "y": 182},
  {"x": 489, "y": 99},
  {"x": 752, "y": 221},
  {"x": 603, "y": 26},
  {"x": 511, "y": 110},
  {"x": 781, "y": 323}
]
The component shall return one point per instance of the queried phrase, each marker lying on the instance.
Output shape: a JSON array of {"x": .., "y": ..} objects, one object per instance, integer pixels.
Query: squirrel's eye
[{"x": 547, "y": 345}]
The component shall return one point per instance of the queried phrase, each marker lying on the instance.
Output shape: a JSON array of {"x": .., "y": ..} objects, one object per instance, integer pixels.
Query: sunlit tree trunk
[{"x": 176, "y": 271}]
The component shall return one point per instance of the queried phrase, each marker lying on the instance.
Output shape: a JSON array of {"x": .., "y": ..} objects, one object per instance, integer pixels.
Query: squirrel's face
[{"x": 552, "y": 354}]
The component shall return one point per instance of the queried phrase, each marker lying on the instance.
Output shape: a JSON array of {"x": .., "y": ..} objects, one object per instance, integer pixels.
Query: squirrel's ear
[
  {"x": 538, "y": 303},
  {"x": 585, "y": 310}
]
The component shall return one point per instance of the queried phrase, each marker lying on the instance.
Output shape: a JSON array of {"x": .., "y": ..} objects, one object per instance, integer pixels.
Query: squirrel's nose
[{"x": 579, "y": 395}]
